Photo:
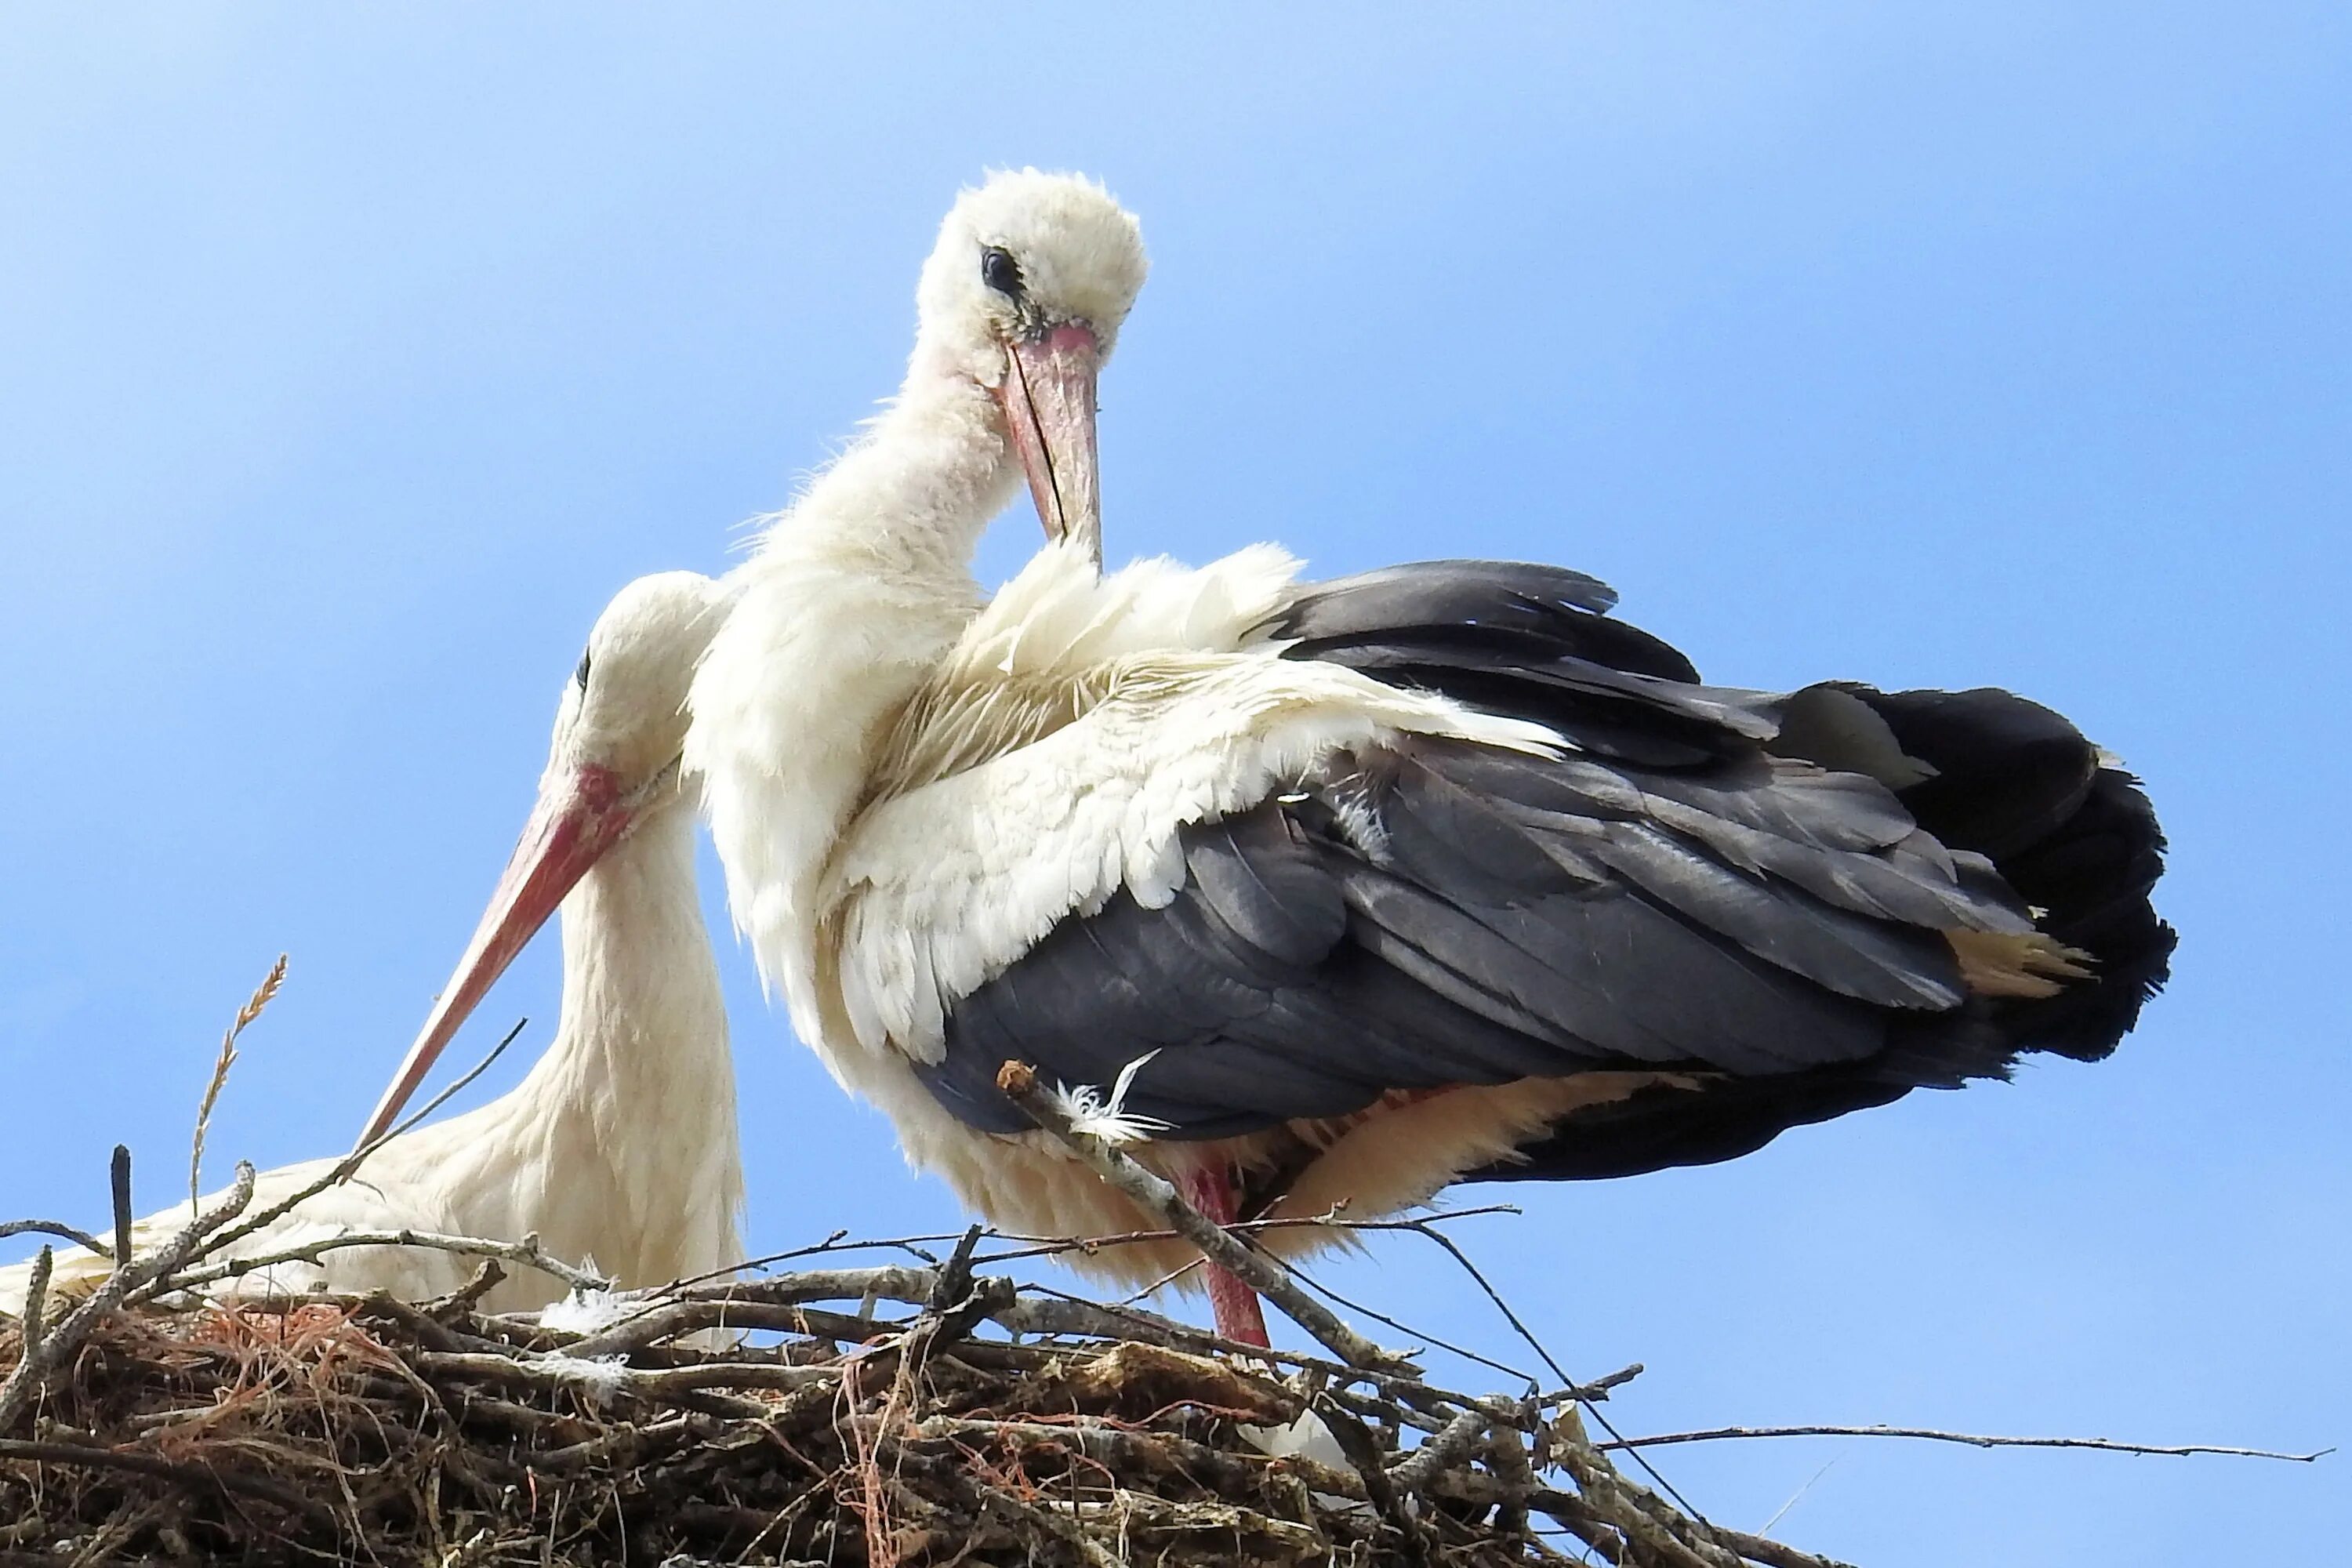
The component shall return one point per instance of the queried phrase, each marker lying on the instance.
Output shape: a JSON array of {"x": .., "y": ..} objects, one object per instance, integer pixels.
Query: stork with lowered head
[{"x": 619, "y": 1148}]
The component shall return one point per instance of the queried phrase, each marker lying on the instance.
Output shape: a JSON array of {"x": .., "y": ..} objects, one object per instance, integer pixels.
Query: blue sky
[{"x": 350, "y": 357}]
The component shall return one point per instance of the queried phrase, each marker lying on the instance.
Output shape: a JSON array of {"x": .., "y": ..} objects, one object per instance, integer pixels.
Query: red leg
[{"x": 1239, "y": 1316}]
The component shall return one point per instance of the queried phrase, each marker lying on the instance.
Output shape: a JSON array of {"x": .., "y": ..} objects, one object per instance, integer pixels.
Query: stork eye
[
  {"x": 1000, "y": 271},
  {"x": 581, "y": 674}
]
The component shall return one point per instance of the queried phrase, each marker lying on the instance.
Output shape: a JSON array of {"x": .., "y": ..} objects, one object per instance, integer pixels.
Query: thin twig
[
  {"x": 37, "y": 1291},
  {"x": 196, "y": 1477},
  {"x": 58, "y": 1228},
  {"x": 67, "y": 1338},
  {"x": 1404, "y": 1327},
  {"x": 1330, "y": 1219},
  {"x": 527, "y": 1251},
  {"x": 1416, "y": 1469},
  {"x": 1974, "y": 1440},
  {"x": 1160, "y": 1198},
  {"x": 118, "y": 1181},
  {"x": 487, "y": 1277},
  {"x": 1478, "y": 1277},
  {"x": 1772, "y": 1553},
  {"x": 350, "y": 1164},
  {"x": 245, "y": 1015}
]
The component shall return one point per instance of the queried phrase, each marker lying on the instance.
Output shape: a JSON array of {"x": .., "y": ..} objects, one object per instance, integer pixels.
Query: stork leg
[{"x": 1210, "y": 1190}]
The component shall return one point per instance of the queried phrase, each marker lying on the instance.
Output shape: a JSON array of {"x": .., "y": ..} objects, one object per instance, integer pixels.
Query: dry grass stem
[{"x": 246, "y": 1014}]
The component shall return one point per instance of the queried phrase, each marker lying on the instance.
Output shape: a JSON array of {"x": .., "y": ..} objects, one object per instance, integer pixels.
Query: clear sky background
[{"x": 352, "y": 356}]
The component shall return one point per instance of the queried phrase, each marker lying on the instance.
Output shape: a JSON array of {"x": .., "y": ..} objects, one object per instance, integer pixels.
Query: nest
[{"x": 921, "y": 1414}]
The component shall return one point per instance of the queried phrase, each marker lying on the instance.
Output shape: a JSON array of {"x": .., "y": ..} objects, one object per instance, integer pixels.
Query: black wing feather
[{"x": 1745, "y": 889}]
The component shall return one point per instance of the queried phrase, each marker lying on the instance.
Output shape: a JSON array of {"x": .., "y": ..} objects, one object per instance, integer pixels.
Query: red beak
[
  {"x": 577, "y": 819},
  {"x": 1048, "y": 395}
]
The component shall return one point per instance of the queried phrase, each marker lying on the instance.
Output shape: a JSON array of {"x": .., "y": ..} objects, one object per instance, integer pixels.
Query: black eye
[
  {"x": 581, "y": 674},
  {"x": 1000, "y": 271}
]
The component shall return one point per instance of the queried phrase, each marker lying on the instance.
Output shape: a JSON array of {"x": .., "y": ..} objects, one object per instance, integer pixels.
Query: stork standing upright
[
  {"x": 620, "y": 1145},
  {"x": 1354, "y": 889}
]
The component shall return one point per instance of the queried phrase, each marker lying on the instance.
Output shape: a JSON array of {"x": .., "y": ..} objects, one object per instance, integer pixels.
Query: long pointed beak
[
  {"x": 576, "y": 820},
  {"x": 1049, "y": 406}
]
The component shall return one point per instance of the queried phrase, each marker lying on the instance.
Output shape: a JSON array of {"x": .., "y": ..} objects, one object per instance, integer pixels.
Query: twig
[
  {"x": 487, "y": 1277},
  {"x": 709, "y": 1306},
  {"x": 1599, "y": 1388},
  {"x": 1771, "y": 1554},
  {"x": 1160, "y": 1197},
  {"x": 37, "y": 1291},
  {"x": 345, "y": 1167},
  {"x": 118, "y": 1174},
  {"x": 1454, "y": 1250},
  {"x": 245, "y": 1015},
  {"x": 58, "y": 1228},
  {"x": 198, "y": 1477},
  {"x": 69, "y": 1335},
  {"x": 1404, "y": 1327},
  {"x": 457, "y": 1087},
  {"x": 995, "y": 1500},
  {"x": 1146, "y": 1451},
  {"x": 1718, "y": 1434},
  {"x": 1416, "y": 1470},
  {"x": 1330, "y": 1219},
  {"x": 601, "y": 1379},
  {"x": 527, "y": 1252}
]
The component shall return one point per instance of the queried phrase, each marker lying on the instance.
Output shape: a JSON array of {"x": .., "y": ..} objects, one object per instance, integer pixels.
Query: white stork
[
  {"x": 620, "y": 1145},
  {"x": 1356, "y": 889}
]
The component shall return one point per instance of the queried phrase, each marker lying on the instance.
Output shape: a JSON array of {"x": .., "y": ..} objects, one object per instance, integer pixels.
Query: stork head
[
  {"x": 620, "y": 726},
  {"x": 1024, "y": 294}
]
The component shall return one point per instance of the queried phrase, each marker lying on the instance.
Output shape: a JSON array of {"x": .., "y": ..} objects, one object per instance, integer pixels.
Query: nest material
[{"x": 974, "y": 1423}]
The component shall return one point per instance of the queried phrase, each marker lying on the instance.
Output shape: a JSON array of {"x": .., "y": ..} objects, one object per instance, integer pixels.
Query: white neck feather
[
  {"x": 855, "y": 593},
  {"x": 627, "y": 1126}
]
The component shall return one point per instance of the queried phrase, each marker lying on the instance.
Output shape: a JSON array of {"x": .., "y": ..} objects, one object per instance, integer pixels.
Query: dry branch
[
  {"x": 1160, "y": 1197},
  {"x": 527, "y": 1252},
  {"x": 58, "y": 1228},
  {"x": 1975, "y": 1440},
  {"x": 53, "y": 1347}
]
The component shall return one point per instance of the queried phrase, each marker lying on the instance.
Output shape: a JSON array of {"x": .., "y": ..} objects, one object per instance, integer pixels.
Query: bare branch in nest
[
  {"x": 1160, "y": 1197},
  {"x": 1726, "y": 1433},
  {"x": 246, "y": 1014},
  {"x": 527, "y": 1252},
  {"x": 188, "y": 1476},
  {"x": 344, "y": 1169},
  {"x": 58, "y": 1228},
  {"x": 1333, "y": 1220},
  {"x": 36, "y": 1292},
  {"x": 58, "y": 1346},
  {"x": 1443, "y": 1451},
  {"x": 118, "y": 1174}
]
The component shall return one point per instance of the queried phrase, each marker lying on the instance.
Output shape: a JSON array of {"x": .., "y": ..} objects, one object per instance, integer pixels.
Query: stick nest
[{"x": 929, "y": 1417}]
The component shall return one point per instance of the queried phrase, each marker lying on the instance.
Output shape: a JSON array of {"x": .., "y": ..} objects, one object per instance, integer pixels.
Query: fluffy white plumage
[
  {"x": 1168, "y": 707},
  {"x": 620, "y": 1143},
  {"x": 907, "y": 790}
]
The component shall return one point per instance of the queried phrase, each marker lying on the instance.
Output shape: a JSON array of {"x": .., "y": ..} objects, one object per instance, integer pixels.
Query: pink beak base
[
  {"x": 1048, "y": 396},
  {"x": 574, "y": 824}
]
